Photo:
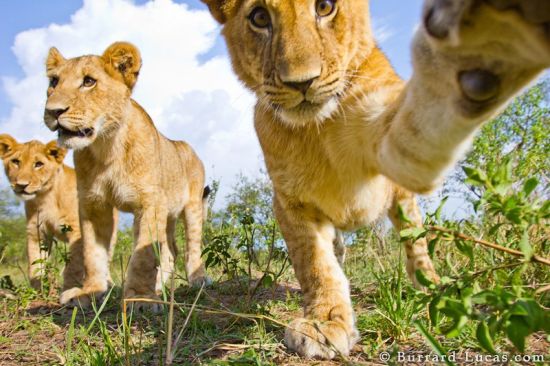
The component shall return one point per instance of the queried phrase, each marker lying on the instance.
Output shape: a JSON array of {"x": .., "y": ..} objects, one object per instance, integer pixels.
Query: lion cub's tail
[{"x": 205, "y": 194}]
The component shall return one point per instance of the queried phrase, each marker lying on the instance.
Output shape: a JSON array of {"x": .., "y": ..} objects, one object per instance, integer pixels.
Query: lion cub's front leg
[
  {"x": 327, "y": 328},
  {"x": 416, "y": 251},
  {"x": 98, "y": 224}
]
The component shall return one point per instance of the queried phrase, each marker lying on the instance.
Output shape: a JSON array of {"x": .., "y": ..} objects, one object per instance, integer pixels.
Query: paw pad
[{"x": 479, "y": 85}]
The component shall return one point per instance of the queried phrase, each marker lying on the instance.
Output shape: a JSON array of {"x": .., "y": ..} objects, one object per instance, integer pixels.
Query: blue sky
[{"x": 186, "y": 82}]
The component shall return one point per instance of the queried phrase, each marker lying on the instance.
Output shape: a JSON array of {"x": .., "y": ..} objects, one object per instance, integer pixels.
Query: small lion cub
[
  {"x": 122, "y": 161},
  {"x": 37, "y": 175}
]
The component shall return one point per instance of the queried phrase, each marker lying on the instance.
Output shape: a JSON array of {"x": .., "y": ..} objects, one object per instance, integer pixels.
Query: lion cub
[
  {"x": 346, "y": 141},
  {"x": 123, "y": 162},
  {"x": 38, "y": 176}
]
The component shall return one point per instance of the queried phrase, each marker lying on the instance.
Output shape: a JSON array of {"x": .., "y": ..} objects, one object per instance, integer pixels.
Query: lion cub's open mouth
[{"x": 64, "y": 132}]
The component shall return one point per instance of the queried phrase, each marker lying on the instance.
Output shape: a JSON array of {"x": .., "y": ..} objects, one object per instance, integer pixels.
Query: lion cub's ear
[
  {"x": 58, "y": 153},
  {"x": 122, "y": 62},
  {"x": 221, "y": 9},
  {"x": 7, "y": 145},
  {"x": 54, "y": 59}
]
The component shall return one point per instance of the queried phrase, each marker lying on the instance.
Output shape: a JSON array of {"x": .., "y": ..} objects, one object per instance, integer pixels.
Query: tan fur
[
  {"x": 123, "y": 162},
  {"x": 49, "y": 192},
  {"x": 353, "y": 144}
]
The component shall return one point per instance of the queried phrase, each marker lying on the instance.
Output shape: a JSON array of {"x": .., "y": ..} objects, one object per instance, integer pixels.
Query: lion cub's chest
[
  {"x": 110, "y": 183},
  {"x": 327, "y": 169}
]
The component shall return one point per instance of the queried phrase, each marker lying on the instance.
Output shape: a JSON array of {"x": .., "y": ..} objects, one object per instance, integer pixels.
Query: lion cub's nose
[
  {"x": 20, "y": 187},
  {"x": 56, "y": 113},
  {"x": 301, "y": 86}
]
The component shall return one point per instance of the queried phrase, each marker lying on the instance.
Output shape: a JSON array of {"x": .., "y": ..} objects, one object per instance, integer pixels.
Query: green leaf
[
  {"x": 466, "y": 249},
  {"x": 515, "y": 215},
  {"x": 423, "y": 280},
  {"x": 485, "y": 297},
  {"x": 475, "y": 176},
  {"x": 529, "y": 186},
  {"x": 440, "y": 208},
  {"x": 494, "y": 229},
  {"x": 531, "y": 311},
  {"x": 402, "y": 215},
  {"x": 431, "y": 246},
  {"x": 517, "y": 330},
  {"x": 412, "y": 233},
  {"x": 433, "y": 311},
  {"x": 525, "y": 246},
  {"x": 484, "y": 337},
  {"x": 544, "y": 211},
  {"x": 438, "y": 348},
  {"x": 456, "y": 328}
]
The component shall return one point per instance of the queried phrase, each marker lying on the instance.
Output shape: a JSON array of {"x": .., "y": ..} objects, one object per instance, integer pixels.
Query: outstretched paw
[
  {"x": 511, "y": 30},
  {"x": 492, "y": 48},
  {"x": 445, "y": 19},
  {"x": 314, "y": 339}
]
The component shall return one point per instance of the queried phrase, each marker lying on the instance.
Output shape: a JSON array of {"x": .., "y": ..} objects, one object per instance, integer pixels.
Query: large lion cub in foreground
[
  {"x": 37, "y": 175},
  {"x": 345, "y": 140},
  {"x": 123, "y": 162}
]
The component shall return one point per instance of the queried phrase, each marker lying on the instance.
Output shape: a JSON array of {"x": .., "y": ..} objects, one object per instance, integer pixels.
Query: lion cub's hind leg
[
  {"x": 168, "y": 255},
  {"x": 417, "y": 251},
  {"x": 150, "y": 250}
]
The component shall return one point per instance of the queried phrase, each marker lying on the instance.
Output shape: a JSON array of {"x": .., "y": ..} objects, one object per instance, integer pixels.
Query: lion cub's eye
[
  {"x": 54, "y": 81},
  {"x": 15, "y": 162},
  {"x": 38, "y": 164},
  {"x": 324, "y": 8},
  {"x": 88, "y": 81},
  {"x": 259, "y": 17}
]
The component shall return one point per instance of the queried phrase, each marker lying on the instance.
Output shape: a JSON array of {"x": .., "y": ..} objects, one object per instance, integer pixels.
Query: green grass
[{"x": 223, "y": 325}]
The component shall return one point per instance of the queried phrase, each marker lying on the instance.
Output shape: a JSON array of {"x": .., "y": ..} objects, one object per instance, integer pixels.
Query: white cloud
[
  {"x": 203, "y": 104},
  {"x": 381, "y": 29}
]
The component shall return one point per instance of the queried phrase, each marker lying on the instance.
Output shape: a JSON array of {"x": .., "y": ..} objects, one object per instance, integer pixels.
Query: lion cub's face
[
  {"x": 87, "y": 95},
  {"x": 297, "y": 55},
  {"x": 30, "y": 166}
]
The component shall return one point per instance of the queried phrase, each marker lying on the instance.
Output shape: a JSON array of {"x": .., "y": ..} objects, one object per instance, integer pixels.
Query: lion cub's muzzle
[
  {"x": 23, "y": 191},
  {"x": 65, "y": 132},
  {"x": 51, "y": 117}
]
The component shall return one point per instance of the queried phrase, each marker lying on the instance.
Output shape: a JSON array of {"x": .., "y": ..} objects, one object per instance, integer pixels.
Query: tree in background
[{"x": 12, "y": 228}]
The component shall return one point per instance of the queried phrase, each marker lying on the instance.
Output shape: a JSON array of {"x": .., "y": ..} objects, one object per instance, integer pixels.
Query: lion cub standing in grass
[
  {"x": 123, "y": 162},
  {"x": 38, "y": 176},
  {"x": 346, "y": 141}
]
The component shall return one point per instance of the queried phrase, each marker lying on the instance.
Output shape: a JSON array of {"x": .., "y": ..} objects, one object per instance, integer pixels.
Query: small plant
[
  {"x": 244, "y": 239},
  {"x": 396, "y": 303},
  {"x": 512, "y": 220}
]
